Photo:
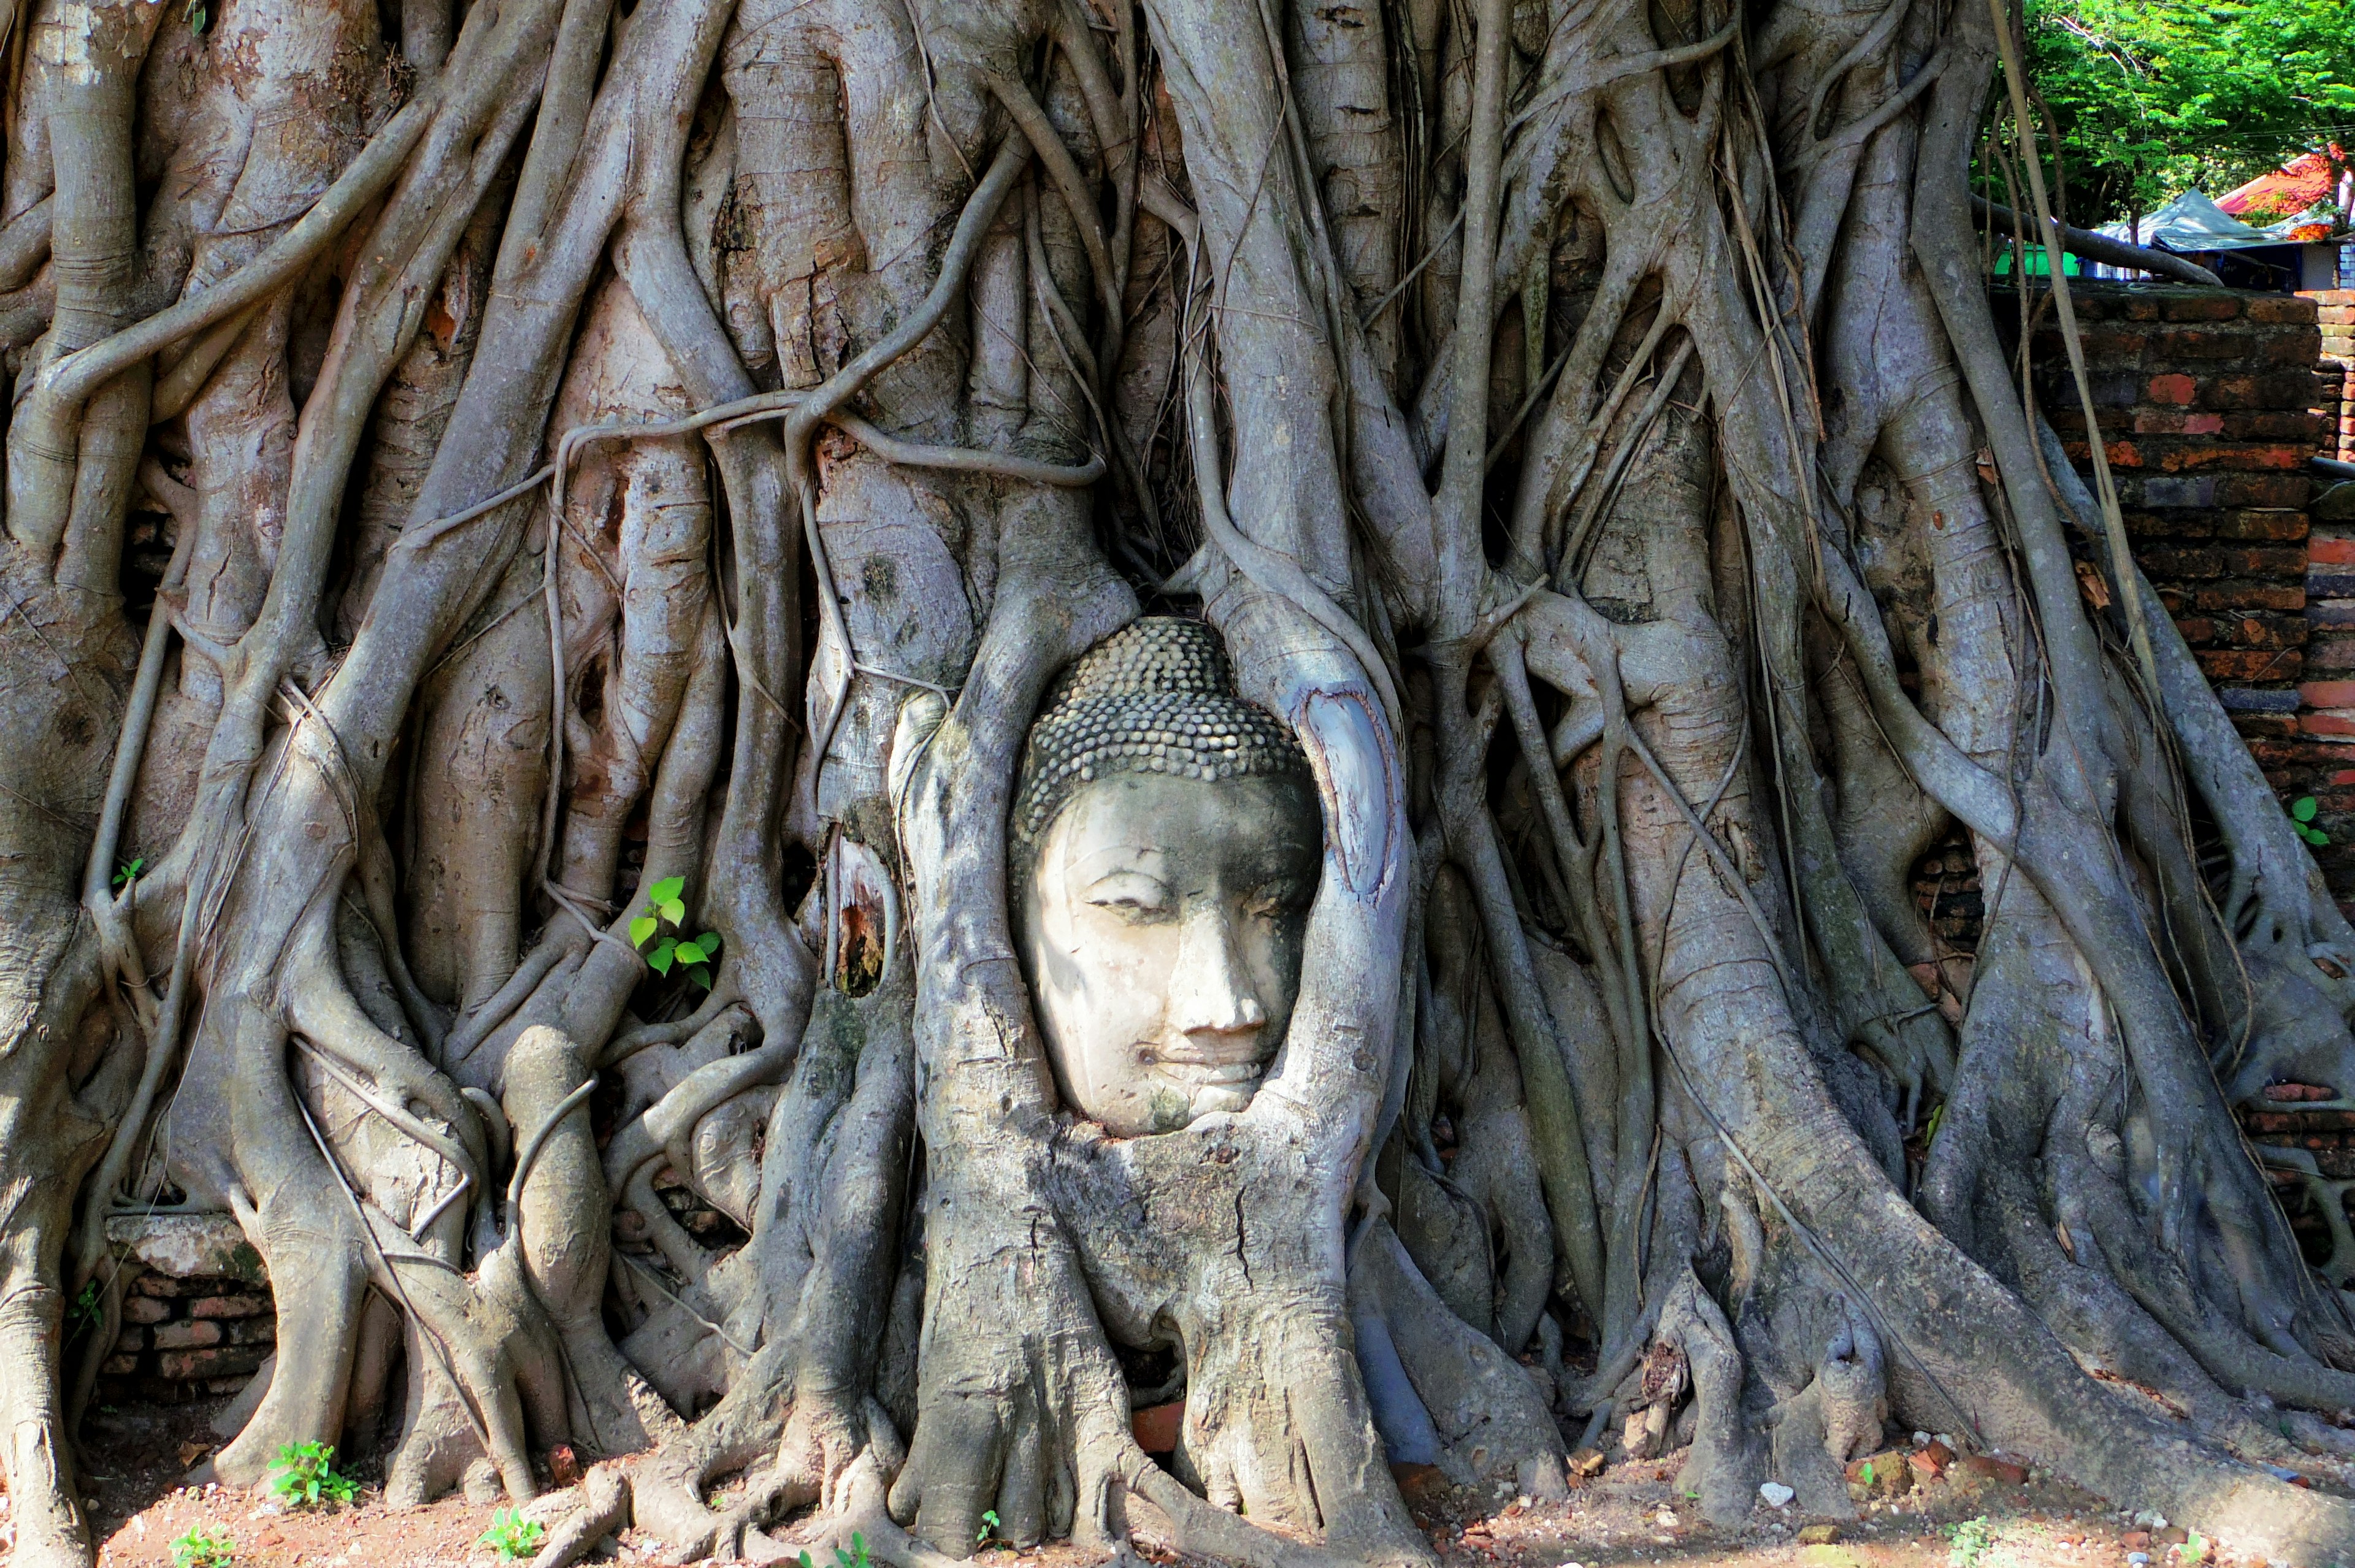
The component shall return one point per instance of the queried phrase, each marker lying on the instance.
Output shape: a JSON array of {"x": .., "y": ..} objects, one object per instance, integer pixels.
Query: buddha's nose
[{"x": 1211, "y": 1000}]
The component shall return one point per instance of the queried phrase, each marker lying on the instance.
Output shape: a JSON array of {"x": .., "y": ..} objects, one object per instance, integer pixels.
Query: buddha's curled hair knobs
[{"x": 1156, "y": 696}]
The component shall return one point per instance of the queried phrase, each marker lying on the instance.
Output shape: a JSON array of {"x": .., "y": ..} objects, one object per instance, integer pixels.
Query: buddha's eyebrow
[{"x": 1143, "y": 860}]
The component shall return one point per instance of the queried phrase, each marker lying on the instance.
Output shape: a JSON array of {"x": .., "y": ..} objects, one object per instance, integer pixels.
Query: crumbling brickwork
[
  {"x": 2335, "y": 314},
  {"x": 2207, "y": 404}
]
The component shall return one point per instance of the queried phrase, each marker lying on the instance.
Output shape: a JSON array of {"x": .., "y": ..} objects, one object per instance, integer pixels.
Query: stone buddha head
[{"x": 1166, "y": 842}]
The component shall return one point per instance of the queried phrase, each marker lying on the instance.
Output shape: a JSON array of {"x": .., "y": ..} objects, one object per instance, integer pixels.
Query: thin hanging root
[
  {"x": 72, "y": 379},
  {"x": 1269, "y": 571}
]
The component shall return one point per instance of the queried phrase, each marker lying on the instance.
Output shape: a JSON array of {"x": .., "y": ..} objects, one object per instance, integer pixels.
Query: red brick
[
  {"x": 2328, "y": 694},
  {"x": 187, "y": 1335},
  {"x": 217, "y": 1360},
  {"x": 2173, "y": 387},
  {"x": 2199, "y": 343},
  {"x": 2238, "y": 595},
  {"x": 2254, "y": 725},
  {"x": 2261, "y": 489},
  {"x": 2258, "y": 631},
  {"x": 2280, "y": 307},
  {"x": 2274, "y": 390},
  {"x": 2265, "y": 523},
  {"x": 2249, "y": 663},
  {"x": 2292, "y": 349},
  {"x": 2187, "y": 458},
  {"x": 2264, "y": 561},
  {"x": 2211, "y": 305},
  {"x": 2167, "y": 561},
  {"x": 229, "y": 1307},
  {"x": 1156, "y": 1429},
  {"x": 145, "y": 1309},
  {"x": 2266, "y": 424},
  {"x": 2327, "y": 723},
  {"x": 2204, "y": 424}
]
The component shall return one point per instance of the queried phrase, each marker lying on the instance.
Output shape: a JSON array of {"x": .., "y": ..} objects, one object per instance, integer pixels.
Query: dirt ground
[{"x": 1631, "y": 1513}]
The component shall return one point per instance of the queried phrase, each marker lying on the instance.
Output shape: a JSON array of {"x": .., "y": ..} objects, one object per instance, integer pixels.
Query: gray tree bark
[{"x": 475, "y": 486}]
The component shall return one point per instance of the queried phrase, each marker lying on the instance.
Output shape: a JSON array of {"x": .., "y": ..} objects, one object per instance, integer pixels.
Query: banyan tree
[{"x": 1224, "y": 701}]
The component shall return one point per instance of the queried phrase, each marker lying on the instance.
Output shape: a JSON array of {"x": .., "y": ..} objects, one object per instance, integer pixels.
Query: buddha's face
[{"x": 1161, "y": 921}]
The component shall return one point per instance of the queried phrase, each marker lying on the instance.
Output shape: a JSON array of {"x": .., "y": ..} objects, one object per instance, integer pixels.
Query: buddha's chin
[
  {"x": 1227, "y": 1097},
  {"x": 1172, "y": 1094},
  {"x": 1208, "y": 1089}
]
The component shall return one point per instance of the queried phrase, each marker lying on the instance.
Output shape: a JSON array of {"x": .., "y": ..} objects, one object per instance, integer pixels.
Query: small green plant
[
  {"x": 1865, "y": 1475},
  {"x": 988, "y": 1524},
  {"x": 857, "y": 1556},
  {"x": 304, "y": 1476},
  {"x": 2301, "y": 817},
  {"x": 511, "y": 1535},
  {"x": 205, "y": 1546},
  {"x": 2195, "y": 1548},
  {"x": 128, "y": 872},
  {"x": 84, "y": 1312},
  {"x": 196, "y": 16},
  {"x": 663, "y": 906},
  {"x": 1970, "y": 1542}
]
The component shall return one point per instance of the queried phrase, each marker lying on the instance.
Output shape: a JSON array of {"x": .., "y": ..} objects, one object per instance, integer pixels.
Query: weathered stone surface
[{"x": 189, "y": 1246}]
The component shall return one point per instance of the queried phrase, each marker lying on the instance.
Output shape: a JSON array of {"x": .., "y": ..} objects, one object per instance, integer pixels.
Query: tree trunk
[{"x": 443, "y": 836}]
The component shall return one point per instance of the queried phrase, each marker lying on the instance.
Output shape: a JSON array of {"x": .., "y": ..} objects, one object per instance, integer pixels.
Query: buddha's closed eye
[{"x": 1132, "y": 894}]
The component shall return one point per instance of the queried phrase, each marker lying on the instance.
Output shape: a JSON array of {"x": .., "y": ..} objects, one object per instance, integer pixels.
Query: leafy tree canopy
[{"x": 2154, "y": 96}]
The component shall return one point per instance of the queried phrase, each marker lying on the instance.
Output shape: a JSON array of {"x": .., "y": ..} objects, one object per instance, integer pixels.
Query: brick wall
[
  {"x": 196, "y": 1318},
  {"x": 2335, "y": 397},
  {"x": 2206, "y": 401}
]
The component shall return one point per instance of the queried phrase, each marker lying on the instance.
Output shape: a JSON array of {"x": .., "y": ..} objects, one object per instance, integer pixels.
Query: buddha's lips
[{"x": 1202, "y": 1073}]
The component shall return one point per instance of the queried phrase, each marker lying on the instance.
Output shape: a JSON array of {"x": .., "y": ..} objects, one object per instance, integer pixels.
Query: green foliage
[
  {"x": 196, "y": 16},
  {"x": 2301, "y": 817},
  {"x": 857, "y": 1556},
  {"x": 2156, "y": 96},
  {"x": 128, "y": 872},
  {"x": 2195, "y": 1548},
  {"x": 1865, "y": 1475},
  {"x": 305, "y": 1475},
  {"x": 511, "y": 1535},
  {"x": 1969, "y": 1543},
  {"x": 988, "y": 1524},
  {"x": 663, "y": 906},
  {"x": 205, "y": 1546},
  {"x": 84, "y": 1311}
]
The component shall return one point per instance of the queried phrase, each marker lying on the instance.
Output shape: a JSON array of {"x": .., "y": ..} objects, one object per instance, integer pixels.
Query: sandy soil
[{"x": 1630, "y": 1514}]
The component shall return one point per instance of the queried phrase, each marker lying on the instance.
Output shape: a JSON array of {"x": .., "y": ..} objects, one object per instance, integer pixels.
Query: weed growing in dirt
[
  {"x": 988, "y": 1523},
  {"x": 1973, "y": 1541},
  {"x": 205, "y": 1546},
  {"x": 511, "y": 1535},
  {"x": 854, "y": 1558},
  {"x": 305, "y": 1475}
]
